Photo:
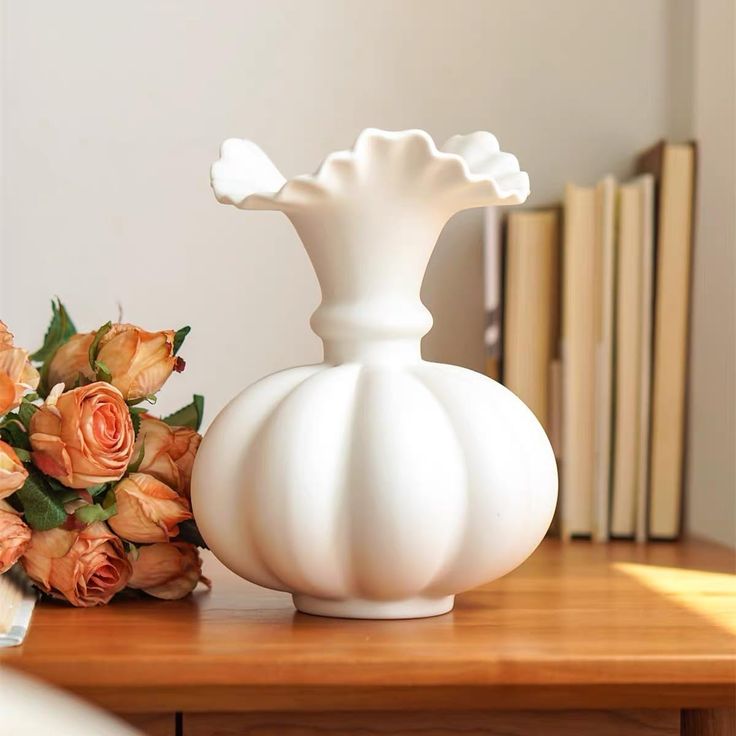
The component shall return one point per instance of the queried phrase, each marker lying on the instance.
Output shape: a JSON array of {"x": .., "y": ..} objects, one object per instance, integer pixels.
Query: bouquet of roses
[{"x": 94, "y": 491}]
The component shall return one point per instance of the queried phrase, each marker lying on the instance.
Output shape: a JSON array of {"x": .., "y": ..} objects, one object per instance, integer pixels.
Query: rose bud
[
  {"x": 12, "y": 473},
  {"x": 168, "y": 571},
  {"x": 71, "y": 360},
  {"x": 14, "y": 536},
  {"x": 168, "y": 453},
  {"x": 6, "y": 337},
  {"x": 147, "y": 509},
  {"x": 17, "y": 375},
  {"x": 84, "y": 436},
  {"x": 139, "y": 361},
  {"x": 86, "y": 567}
]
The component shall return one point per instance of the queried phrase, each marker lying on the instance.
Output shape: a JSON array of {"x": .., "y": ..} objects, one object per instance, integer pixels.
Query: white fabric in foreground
[{"x": 32, "y": 708}]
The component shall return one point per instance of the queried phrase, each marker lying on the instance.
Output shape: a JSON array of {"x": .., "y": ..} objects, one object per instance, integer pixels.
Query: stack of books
[{"x": 587, "y": 322}]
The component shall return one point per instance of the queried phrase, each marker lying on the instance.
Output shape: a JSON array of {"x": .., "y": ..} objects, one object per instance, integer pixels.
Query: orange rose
[
  {"x": 14, "y": 536},
  {"x": 71, "y": 360},
  {"x": 168, "y": 453},
  {"x": 85, "y": 567},
  {"x": 168, "y": 571},
  {"x": 83, "y": 437},
  {"x": 139, "y": 361},
  {"x": 12, "y": 473},
  {"x": 17, "y": 375},
  {"x": 147, "y": 509}
]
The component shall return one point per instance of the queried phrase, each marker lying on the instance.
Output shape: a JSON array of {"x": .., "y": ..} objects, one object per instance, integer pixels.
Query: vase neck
[{"x": 370, "y": 269}]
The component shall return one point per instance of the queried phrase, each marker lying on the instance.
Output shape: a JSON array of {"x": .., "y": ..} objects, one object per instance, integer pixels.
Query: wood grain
[
  {"x": 577, "y": 626},
  {"x": 714, "y": 722},
  {"x": 498, "y": 723},
  {"x": 152, "y": 724}
]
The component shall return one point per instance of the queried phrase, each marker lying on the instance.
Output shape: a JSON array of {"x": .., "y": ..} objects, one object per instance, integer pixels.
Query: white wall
[
  {"x": 113, "y": 113},
  {"x": 712, "y": 432}
]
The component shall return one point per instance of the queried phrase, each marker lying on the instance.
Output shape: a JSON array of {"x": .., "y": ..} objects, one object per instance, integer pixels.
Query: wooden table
[{"x": 583, "y": 638}]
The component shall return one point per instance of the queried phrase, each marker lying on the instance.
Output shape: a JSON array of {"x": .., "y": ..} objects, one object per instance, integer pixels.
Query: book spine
[
  {"x": 493, "y": 275},
  {"x": 671, "y": 340},
  {"x": 645, "y": 391},
  {"x": 606, "y": 257}
]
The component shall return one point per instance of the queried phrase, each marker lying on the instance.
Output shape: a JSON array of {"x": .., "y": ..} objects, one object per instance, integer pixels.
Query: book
[
  {"x": 17, "y": 599},
  {"x": 493, "y": 286},
  {"x": 531, "y": 311},
  {"x": 605, "y": 248},
  {"x": 587, "y": 349},
  {"x": 555, "y": 405},
  {"x": 673, "y": 167},
  {"x": 646, "y": 326},
  {"x": 634, "y": 290}
]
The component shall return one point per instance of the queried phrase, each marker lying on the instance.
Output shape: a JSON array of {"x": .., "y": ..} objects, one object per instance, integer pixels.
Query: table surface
[{"x": 578, "y": 625}]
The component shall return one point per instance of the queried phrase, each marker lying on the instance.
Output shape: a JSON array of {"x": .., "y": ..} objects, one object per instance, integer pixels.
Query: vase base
[{"x": 361, "y": 608}]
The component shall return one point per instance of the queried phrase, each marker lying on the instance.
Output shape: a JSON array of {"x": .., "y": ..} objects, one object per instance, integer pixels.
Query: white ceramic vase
[{"x": 374, "y": 484}]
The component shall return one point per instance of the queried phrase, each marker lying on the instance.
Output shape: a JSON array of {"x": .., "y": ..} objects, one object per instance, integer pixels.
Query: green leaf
[
  {"x": 98, "y": 489},
  {"x": 94, "y": 512},
  {"x": 13, "y": 432},
  {"x": 135, "y": 417},
  {"x": 67, "y": 495},
  {"x": 25, "y": 411},
  {"x": 148, "y": 398},
  {"x": 60, "y": 329},
  {"x": 135, "y": 464},
  {"x": 180, "y": 336},
  {"x": 189, "y": 532},
  {"x": 43, "y": 384},
  {"x": 31, "y": 397},
  {"x": 81, "y": 380},
  {"x": 23, "y": 455},
  {"x": 57, "y": 485},
  {"x": 109, "y": 499},
  {"x": 61, "y": 492},
  {"x": 94, "y": 347},
  {"x": 102, "y": 372},
  {"x": 42, "y": 509},
  {"x": 9, "y": 419},
  {"x": 189, "y": 415}
]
